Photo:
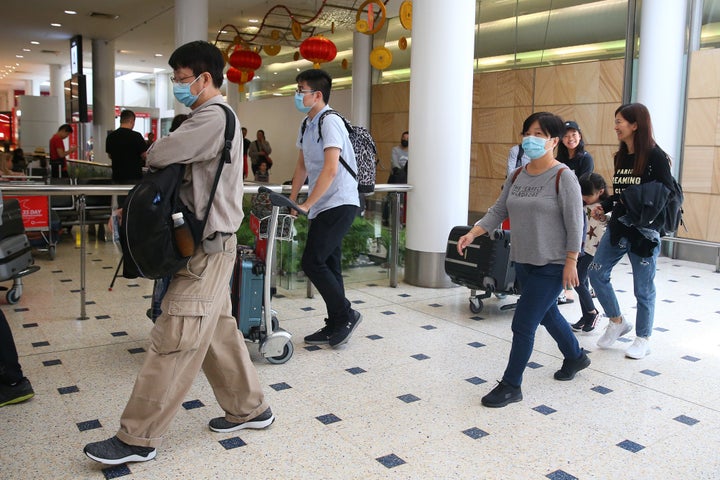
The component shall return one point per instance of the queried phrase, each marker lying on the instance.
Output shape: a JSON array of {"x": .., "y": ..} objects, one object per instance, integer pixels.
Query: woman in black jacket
[{"x": 638, "y": 161}]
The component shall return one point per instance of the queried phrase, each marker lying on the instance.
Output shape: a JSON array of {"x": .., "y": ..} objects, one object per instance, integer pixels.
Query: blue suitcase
[{"x": 247, "y": 292}]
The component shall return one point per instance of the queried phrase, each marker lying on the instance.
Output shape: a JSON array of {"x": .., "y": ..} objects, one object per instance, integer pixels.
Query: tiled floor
[{"x": 401, "y": 400}]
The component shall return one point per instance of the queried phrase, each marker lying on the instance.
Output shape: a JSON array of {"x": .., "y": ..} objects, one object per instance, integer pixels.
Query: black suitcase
[
  {"x": 15, "y": 256},
  {"x": 12, "y": 223},
  {"x": 485, "y": 265}
]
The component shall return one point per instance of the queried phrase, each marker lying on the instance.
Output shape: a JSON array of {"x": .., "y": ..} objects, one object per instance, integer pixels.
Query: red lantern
[
  {"x": 318, "y": 49},
  {"x": 240, "y": 77},
  {"x": 244, "y": 63}
]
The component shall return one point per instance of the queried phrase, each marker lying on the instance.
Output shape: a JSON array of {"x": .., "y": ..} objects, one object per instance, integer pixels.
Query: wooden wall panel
[
  {"x": 704, "y": 81},
  {"x": 697, "y": 169},
  {"x": 391, "y": 97},
  {"x": 611, "y": 85},
  {"x": 713, "y": 230},
  {"x": 701, "y": 127},
  {"x": 696, "y": 215}
]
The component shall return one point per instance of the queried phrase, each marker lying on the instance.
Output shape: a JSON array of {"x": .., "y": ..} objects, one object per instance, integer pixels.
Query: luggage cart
[
  {"x": 253, "y": 311},
  {"x": 37, "y": 218}
]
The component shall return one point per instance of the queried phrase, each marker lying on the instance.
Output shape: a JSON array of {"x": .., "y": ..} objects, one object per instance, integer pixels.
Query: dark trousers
[
  {"x": 537, "y": 306},
  {"x": 321, "y": 260},
  {"x": 10, "y": 370},
  {"x": 586, "y": 302}
]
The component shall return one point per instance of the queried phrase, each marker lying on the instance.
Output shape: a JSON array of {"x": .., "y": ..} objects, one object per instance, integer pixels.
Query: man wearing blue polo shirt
[{"x": 332, "y": 202}]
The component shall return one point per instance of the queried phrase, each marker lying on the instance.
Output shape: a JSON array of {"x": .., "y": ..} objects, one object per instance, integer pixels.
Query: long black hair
[{"x": 593, "y": 182}]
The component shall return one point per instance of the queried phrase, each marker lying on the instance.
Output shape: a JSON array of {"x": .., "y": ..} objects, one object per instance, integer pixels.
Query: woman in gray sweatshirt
[{"x": 545, "y": 208}]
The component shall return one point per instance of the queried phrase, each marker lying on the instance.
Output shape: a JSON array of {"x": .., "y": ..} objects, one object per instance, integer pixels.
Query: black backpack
[
  {"x": 364, "y": 148},
  {"x": 147, "y": 232}
]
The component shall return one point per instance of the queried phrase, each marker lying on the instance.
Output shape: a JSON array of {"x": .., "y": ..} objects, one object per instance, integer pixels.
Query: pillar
[
  {"x": 361, "y": 79},
  {"x": 103, "y": 95},
  {"x": 57, "y": 89},
  {"x": 191, "y": 23},
  {"x": 661, "y": 69},
  {"x": 441, "y": 94}
]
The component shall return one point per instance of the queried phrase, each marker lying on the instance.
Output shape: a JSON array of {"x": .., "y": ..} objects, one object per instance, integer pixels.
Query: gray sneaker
[
  {"x": 114, "y": 451},
  {"x": 613, "y": 331},
  {"x": 263, "y": 420}
]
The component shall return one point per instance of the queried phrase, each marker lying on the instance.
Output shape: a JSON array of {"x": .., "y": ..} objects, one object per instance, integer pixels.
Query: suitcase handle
[{"x": 281, "y": 200}]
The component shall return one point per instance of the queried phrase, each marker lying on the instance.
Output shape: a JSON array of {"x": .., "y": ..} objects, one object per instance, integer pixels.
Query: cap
[{"x": 572, "y": 124}]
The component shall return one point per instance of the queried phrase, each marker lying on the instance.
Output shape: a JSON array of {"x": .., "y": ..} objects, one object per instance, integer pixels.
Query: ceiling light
[
  {"x": 71, "y": 12},
  {"x": 254, "y": 20},
  {"x": 34, "y": 43},
  {"x": 158, "y": 54},
  {"x": 26, "y": 49},
  {"x": 56, "y": 24},
  {"x": 19, "y": 56}
]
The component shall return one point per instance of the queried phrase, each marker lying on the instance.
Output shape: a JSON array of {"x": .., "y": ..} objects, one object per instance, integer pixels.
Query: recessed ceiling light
[
  {"x": 26, "y": 49},
  {"x": 158, "y": 54},
  {"x": 223, "y": 32},
  {"x": 71, "y": 12},
  {"x": 56, "y": 24},
  {"x": 34, "y": 43},
  {"x": 19, "y": 56},
  {"x": 254, "y": 20}
]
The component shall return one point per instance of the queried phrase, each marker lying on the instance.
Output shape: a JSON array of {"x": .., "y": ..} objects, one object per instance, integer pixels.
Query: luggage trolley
[
  {"x": 253, "y": 309},
  {"x": 485, "y": 266}
]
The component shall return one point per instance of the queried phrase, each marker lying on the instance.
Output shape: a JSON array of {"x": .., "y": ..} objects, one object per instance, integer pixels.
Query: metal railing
[{"x": 82, "y": 191}]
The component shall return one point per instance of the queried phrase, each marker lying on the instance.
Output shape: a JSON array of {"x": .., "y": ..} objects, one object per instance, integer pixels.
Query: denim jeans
[
  {"x": 537, "y": 305},
  {"x": 643, "y": 271},
  {"x": 321, "y": 260}
]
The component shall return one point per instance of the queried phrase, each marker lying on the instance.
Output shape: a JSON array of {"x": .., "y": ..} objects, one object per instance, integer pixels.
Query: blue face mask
[
  {"x": 534, "y": 147},
  {"x": 299, "y": 103},
  {"x": 183, "y": 95}
]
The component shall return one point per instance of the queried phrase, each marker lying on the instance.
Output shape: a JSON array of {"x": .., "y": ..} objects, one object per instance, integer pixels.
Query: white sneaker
[
  {"x": 613, "y": 331},
  {"x": 639, "y": 349}
]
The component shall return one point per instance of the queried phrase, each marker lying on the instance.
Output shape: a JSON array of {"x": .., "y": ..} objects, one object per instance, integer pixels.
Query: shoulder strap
[
  {"x": 224, "y": 158},
  {"x": 557, "y": 180},
  {"x": 347, "y": 126},
  {"x": 515, "y": 174}
]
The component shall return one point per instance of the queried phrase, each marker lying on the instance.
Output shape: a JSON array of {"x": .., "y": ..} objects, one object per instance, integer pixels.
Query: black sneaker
[
  {"x": 578, "y": 326},
  {"x": 21, "y": 391},
  {"x": 564, "y": 300},
  {"x": 571, "y": 367},
  {"x": 501, "y": 395},
  {"x": 263, "y": 420},
  {"x": 343, "y": 333},
  {"x": 114, "y": 451},
  {"x": 591, "y": 322},
  {"x": 322, "y": 336}
]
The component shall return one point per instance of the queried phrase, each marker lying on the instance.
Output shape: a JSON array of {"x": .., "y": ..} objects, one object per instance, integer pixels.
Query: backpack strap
[
  {"x": 518, "y": 160},
  {"x": 224, "y": 158},
  {"x": 320, "y": 120}
]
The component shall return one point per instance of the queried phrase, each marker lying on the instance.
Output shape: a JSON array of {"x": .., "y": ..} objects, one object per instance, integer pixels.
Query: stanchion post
[
  {"x": 394, "y": 251},
  {"x": 81, "y": 214}
]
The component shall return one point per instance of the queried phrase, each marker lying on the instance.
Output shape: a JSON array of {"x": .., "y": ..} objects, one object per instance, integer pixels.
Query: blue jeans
[
  {"x": 537, "y": 305},
  {"x": 643, "y": 271},
  {"x": 321, "y": 260}
]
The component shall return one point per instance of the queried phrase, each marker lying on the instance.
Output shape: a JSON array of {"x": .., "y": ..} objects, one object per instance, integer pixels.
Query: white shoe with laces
[
  {"x": 639, "y": 349},
  {"x": 613, "y": 331}
]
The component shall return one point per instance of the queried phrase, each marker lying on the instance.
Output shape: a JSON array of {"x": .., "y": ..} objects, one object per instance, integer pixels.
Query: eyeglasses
[
  {"x": 174, "y": 79},
  {"x": 304, "y": 92}
]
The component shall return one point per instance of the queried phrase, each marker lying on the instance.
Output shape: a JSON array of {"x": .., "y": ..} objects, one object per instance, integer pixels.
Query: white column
[
  {"x": 32, "y": 87},
  {"x": 361, "y": 84},
  {"x": 57, "y": 89},
  {"x": 661, "y": 69},
  {"x": 191, "y": 23},
  {"x": 162, "y": 92},
  {"x": 234, "y": 97},
  {"x": 441, "y": 83},
  {"x": 103, "y": 99}
]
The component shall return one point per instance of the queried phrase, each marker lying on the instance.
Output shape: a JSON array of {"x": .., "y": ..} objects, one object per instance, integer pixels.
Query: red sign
[{"x": 35, "y": 212}]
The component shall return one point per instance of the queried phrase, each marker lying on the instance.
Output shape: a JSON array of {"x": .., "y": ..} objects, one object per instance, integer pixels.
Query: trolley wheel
[
  {"x": 275, "y": 323},
  {"x": 476, "y": 305},
  {"x": 13, "y": 295},
  {"x": 501, "y": 296},
  {"x": 51, "y": 252},
  {"x": 288, "y": 351}
]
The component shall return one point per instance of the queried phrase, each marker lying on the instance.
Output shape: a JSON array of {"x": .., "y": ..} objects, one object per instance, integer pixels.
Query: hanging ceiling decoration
[
  {"x": 370, "y": 24},
  {"x": 244, "y": 62},
  {"x": 406, "y": 14},
  {"x": 318, "y": 49}
]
